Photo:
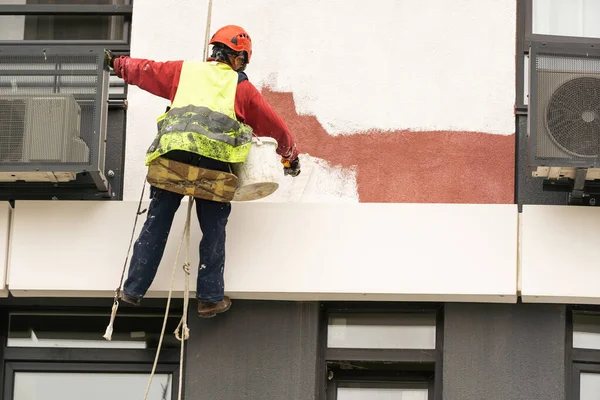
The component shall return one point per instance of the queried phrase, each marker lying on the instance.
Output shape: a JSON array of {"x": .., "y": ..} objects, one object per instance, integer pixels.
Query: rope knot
[
  {"x": 184, "y": 329},
  {"x": 186, "y": 267}
]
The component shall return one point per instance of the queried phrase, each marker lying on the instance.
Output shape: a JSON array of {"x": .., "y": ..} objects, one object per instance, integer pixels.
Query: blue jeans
[{"x": 149, "y": 247}]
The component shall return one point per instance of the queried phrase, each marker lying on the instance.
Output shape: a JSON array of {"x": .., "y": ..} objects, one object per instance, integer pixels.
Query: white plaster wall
[
  {"x": 160, "y": 32},
  {"x": 559, "y": 254},
  {"x": 5, "y": 230},
  {"x": 396, "y": 252},
  {"x": 388, "y": 65}
]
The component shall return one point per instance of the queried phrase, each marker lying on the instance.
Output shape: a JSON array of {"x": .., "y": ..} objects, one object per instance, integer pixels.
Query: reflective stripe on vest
[{"x": 202, "y": 116}]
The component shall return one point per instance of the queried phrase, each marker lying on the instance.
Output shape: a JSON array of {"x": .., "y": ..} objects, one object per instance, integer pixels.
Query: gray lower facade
[{"x": 275, "y": 350}]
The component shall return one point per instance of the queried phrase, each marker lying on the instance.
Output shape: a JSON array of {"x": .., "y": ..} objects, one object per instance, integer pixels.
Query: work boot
[
  {"x": 209, "y": 310},
  {"x": 130, "y": 299}
]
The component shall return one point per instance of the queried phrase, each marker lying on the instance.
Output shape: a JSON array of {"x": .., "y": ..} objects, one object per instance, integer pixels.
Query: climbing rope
[
  {"x": 182, "y": 332},
  {"x": 115, "y": 307},
  {"x": 182, "y": 326}
]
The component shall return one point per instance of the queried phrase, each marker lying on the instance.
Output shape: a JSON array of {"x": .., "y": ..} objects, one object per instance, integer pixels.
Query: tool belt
[{"x": 189, "y": 180}]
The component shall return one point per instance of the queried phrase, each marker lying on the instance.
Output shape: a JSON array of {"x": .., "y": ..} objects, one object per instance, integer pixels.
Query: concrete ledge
[
  {"x": 283, "y": 251},
  {"x": 560, "y": 250}
]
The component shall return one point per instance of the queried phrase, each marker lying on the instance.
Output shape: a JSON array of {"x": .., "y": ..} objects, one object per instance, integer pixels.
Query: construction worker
[{"x": 208, "y": 94}]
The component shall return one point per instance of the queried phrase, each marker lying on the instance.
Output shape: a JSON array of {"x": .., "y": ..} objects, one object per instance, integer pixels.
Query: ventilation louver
[
  {"x": 564, "y": 108},
  {"x": 53, "y": 108}
]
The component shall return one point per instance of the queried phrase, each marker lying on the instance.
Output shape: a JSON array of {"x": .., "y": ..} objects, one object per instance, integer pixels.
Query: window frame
[
  {"x": 525, "y": 37},
  {"x": 380, "y": 382},
  {"x": 578, "y": 360},
  {"x": 13, "y": 367},
  {"x": 71, "y": 359},
  {"x": 118, "y": 47},
  {"x": 416, "y": 368}
]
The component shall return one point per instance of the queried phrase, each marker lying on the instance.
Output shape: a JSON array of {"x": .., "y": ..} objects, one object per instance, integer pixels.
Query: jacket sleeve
[
  {"x": 159, "y": 78},
  {"x": 254, "y": 111}
]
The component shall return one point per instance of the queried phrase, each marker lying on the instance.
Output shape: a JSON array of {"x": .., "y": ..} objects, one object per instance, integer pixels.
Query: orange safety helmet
[{"x": 234, "y": 37}]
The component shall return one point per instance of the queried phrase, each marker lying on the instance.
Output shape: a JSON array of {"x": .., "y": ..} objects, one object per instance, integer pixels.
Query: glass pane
[
  {"x": 89, "y": 386},
  {"x": 381, "y": 331},
  {"x": 589, "y": 386},
  {"x": 566, "y": 17},
  {"x": 381, "y": 394},
  {"x": 67, "y": 2},
  {"x": 85, "y": 331},
  {"x": 586, "y": 331},
  {"x": 61, "y": 27}
]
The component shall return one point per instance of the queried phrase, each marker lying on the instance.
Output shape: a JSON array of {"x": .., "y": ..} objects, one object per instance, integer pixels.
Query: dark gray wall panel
[
  {"x": 529, "y": 189},
  {"x": 115, "y": 150},
  {"x": 504, "y": 352},
  {"x": 258, "y": 350}
]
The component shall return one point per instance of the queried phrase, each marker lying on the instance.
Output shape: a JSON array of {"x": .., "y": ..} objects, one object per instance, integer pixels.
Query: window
[
  {"x": 572, "y": 22},
  {"x": 381, "y": 331},
  {"x": 386, "y": 391},
  {"x": 63, "y": 355},
  {"x": 70, "y": 22},
  {"x": 383, "y": 352},
  {"x": 584, "y": 348},
  {"x": 76, "y": 32},
  {"x": 566, "y": 18},
  {"x": 63, "y": 27},
  {"x": 104, "y": 385}
]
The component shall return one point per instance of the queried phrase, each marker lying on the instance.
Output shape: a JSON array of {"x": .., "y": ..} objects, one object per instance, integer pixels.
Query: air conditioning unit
[
  {"x": 41, "y": 130},
  {"x": 564, "y": 112}
]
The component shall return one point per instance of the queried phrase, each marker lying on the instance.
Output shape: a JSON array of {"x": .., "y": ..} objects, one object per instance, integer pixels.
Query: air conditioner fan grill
[{"x": 573, "y": 116}]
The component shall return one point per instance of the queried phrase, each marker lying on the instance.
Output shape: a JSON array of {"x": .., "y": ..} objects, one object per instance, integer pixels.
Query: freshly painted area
[
  {"x": 385, "y": 109},
  {"x": 394, "y": 252},
  {"x": 5, "y": 231},
  {"x": 408, "y": 166},
  {"x": 559, "y": 254}
]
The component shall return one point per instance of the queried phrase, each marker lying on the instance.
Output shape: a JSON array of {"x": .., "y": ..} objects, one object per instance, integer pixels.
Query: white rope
[
  {"x": 186, "y": 296},
  {"x": 109, "y": 329},
  {"x": 207, "y": 34}
]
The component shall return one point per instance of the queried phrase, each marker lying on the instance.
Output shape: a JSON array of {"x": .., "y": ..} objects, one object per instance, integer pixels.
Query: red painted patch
[{"x": 411, "y": 167}]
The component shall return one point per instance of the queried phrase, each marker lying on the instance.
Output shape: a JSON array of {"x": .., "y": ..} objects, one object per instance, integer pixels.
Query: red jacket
[{"x": 162, "y": 78}]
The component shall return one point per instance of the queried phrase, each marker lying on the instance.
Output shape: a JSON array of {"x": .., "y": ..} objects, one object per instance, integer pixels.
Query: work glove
[
  {"x": 291, "y": 168},
  {"x": 110, "y": 60}
]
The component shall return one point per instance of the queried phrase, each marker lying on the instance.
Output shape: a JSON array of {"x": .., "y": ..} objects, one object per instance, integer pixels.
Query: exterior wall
[
  {"x": 261, "y": 350},
  {"x": 436, "y": 115},
  {"x": 400, "y": 252},
  {"x": 431, "y": 124},
  {"x": 258, "y": 350},
  {"x": 504, "y": 352}
]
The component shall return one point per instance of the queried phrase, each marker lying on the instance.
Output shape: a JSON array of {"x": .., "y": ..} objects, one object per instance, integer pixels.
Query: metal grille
[
  {"x": 564, "y": 108},
  {"x": 12, "y": 117},
  {"x": 52, "y": 102},
  {"x": 573, "y": 116}
]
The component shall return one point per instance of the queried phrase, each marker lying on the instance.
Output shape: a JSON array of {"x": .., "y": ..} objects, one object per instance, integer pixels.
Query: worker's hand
[
  {"x": 110, "y": 60},
  {"x": 291, "y": 167}
]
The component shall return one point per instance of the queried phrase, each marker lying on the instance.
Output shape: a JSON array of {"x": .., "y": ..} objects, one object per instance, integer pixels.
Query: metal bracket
[{"x": 578, "y": 193}]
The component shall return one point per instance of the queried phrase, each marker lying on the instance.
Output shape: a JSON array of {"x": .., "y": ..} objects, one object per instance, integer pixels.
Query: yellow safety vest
[{"x": 202, "y": 117}]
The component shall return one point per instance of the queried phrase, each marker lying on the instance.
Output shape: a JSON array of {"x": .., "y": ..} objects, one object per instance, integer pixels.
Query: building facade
[{"x": 416, "y": 256}]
